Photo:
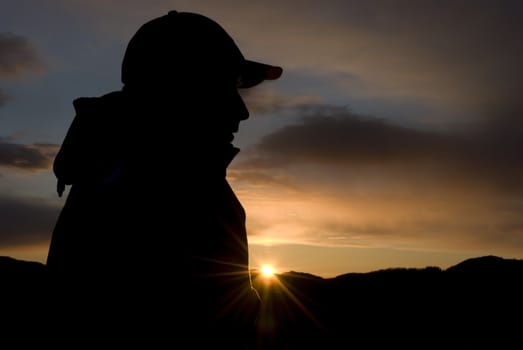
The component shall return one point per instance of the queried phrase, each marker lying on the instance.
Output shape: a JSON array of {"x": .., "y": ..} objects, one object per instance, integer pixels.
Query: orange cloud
[
  {"x": 31, "y": 157},
  {"x": 335, "y": 178}
]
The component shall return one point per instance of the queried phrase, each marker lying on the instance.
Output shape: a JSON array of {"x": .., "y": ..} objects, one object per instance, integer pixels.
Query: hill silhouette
[
  {"x": 478, "y": 302},
  {"x": 474, "y": 303}
]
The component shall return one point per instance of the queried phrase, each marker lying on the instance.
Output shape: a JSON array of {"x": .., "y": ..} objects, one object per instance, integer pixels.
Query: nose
[
  {"x": 237, "y": 111},
  {"x": 243, "y": 112},
  {"x": 231, "y": 108},
  {"x": 239, "y": 114}
]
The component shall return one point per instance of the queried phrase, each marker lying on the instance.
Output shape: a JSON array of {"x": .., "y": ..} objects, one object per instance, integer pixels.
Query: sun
[{"x": 267, "y": 271}]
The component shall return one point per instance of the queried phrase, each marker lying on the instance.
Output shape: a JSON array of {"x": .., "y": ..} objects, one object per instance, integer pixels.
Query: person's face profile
[
  {"x": 224, "y": 107},
  {"x": 216, "y": 113}
]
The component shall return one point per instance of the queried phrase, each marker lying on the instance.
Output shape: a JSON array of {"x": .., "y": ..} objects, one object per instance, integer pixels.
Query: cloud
[
  {"x": 333, "y": 135},
  {"x": 27, "y": 157},
  {"x": 488, "y": 154},
  {"x": 457, "y": 54},
  {"x": 18, "y": 57},
  {"x": 263, "y": 100},
  {"x": 337, "y": 178},
  {"x": 25, "y": 221},
  {"x": 362, "y": 213}
]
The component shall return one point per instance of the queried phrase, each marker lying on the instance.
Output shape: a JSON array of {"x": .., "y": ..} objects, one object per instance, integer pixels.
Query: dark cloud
[
  {"x": 471, "y": 49},
  {"x": 331, "y": 136},
  {"x": 454, "y": 54},
  {"x": 25, "y": 221},
  {"x": 30, "y": 157},
  {"x": 18, "y": 57}
]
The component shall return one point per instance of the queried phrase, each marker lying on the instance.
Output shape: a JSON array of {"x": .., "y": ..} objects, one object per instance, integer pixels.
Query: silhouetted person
[{"x": 152, "y": 238}]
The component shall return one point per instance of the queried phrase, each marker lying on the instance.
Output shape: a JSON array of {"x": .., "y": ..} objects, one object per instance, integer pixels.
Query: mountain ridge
[
  {"x": 477, "y": 302},
  {"x": 10, "y": 266}
]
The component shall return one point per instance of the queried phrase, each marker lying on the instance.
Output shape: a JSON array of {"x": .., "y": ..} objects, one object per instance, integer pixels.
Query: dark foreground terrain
[{"x": 476, "y": 303}]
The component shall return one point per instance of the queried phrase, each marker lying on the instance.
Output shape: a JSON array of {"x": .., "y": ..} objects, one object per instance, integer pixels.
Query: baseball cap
[{"x": 189, "y": 47}]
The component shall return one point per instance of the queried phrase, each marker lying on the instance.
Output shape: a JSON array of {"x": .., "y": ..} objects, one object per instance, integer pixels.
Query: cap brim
[{"x": 253, "y": 73}]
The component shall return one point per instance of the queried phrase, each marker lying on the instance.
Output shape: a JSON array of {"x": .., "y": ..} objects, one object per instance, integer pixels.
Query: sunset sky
[{"x": 394, "y": 137}]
